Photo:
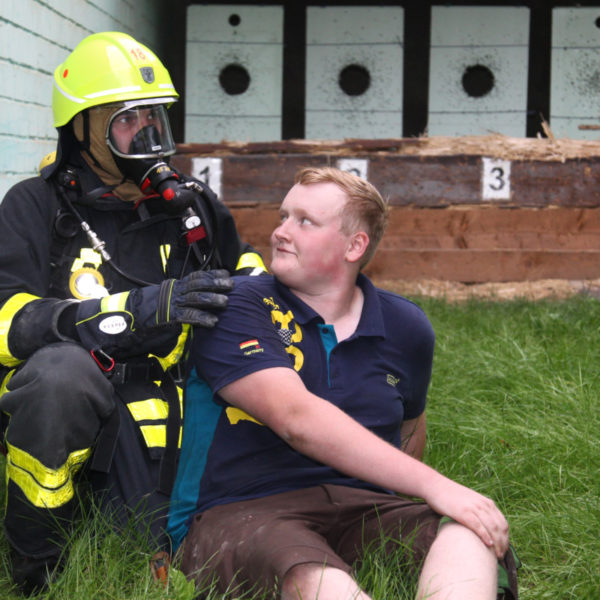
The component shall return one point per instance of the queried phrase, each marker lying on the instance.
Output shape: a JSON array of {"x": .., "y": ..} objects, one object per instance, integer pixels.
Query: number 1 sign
[{"x": 208, "y": 170}]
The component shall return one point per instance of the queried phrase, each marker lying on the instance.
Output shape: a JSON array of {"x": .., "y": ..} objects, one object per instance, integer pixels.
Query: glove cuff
[
  {"x": 163, "y": 308},
  {"x": 37, "y": 325}
]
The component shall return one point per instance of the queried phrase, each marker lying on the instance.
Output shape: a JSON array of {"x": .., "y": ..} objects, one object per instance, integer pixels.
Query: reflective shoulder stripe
[
  {"x": 7, "y": 313},
  {"x": 42, "y": 486},
  {"x": 171, "y": 359},
  {"x": 251, "y": 260},
  {"x": 47, "y": 160}
]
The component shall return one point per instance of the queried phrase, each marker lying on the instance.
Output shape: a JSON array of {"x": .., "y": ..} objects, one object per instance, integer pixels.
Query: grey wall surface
[{"x": 36, "y": 37}]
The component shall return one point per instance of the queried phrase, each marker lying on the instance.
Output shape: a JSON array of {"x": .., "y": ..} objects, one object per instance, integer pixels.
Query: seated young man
[{"x": 320, "y": 381}]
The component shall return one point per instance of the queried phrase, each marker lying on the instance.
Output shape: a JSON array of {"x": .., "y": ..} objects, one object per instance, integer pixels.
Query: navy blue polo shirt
[{"x": 379, "y": 376}]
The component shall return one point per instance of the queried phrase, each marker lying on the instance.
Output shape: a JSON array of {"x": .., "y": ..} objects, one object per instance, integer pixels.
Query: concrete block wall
[
  {"x": 234, "y": 69},
  {"x": 36, "y": 37},
  {"x": 364, "y": 45},
  {"x": 478, "y": 70},
  {"x": 575, "y": 85}
]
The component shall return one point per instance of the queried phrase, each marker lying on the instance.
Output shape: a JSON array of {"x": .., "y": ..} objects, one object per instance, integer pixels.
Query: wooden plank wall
[{"x": 441, "y": 226}]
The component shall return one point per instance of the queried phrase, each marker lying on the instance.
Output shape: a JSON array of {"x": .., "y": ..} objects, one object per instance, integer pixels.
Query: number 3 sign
[{"x": 496, "y": 179}]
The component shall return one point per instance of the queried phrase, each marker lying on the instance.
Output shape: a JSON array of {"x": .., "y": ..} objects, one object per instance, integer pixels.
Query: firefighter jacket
[{"x": 43, "y": 247}]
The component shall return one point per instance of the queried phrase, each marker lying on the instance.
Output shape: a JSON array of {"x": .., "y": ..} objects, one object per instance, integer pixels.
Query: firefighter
[{"x": 107, "y": 259}]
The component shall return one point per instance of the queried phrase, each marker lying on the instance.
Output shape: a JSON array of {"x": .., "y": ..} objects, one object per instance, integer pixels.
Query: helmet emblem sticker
[{"x": 147, "y": 74}]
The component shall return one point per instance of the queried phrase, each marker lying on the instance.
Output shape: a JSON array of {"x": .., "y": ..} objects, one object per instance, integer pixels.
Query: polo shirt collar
[
  {"x": 302, "y": 312},
  {"x": 371, "y": 320}
]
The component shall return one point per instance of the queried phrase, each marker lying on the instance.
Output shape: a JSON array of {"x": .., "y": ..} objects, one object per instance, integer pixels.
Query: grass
[{"x": 513, "y": 412}]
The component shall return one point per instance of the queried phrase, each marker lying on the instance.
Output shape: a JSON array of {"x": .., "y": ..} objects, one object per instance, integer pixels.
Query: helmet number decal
[{"x": 138, "y": 53}]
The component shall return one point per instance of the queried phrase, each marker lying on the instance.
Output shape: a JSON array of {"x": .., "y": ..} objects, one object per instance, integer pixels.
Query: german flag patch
[{"x": 250, "y": 347}]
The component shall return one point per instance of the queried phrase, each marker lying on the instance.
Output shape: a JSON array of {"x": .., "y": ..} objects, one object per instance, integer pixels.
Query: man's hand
[
  {"x": 315, "y": 427},
  {"x": 471, "y": 509}
]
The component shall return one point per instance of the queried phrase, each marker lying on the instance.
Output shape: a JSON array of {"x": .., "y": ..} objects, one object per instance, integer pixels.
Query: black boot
[{"x": 32, "y": 575}]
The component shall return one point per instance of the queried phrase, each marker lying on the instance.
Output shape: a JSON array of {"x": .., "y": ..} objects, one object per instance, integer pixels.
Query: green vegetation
[{"x": 514, "y": 412}]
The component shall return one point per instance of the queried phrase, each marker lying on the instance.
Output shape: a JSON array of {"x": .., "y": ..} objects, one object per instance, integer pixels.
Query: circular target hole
[
  {"x": 234, "y": 79},
  {"x": 234, "y": 20},
  {"x": 354, "y": 80},
  {"x": 477, "y": 81}
]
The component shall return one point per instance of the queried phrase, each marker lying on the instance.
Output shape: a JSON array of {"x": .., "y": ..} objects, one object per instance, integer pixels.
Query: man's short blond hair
[{"x": 365, "y": 208}]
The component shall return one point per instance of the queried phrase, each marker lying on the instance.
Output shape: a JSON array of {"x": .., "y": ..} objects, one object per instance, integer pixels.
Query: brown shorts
[{"x": 254, "y": 543}]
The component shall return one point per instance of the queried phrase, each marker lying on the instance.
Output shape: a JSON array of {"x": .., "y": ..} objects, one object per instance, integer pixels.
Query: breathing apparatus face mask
[
  {"x": 139, "y": 137},
  {"x": 140, "y": 130}
]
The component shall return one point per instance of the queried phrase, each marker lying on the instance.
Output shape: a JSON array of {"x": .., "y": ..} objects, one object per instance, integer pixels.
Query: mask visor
[{"x": 140, "y": 131}]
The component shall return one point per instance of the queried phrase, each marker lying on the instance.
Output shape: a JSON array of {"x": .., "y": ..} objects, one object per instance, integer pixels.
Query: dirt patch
[{"x": 457, "y": 292}]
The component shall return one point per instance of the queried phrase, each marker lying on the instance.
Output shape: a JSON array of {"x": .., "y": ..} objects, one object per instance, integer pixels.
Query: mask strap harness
[{"x": 196, "y": 228}]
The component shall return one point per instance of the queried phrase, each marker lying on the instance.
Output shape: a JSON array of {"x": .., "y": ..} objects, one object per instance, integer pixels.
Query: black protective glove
[
  {"x": 125, "y": 320},
  {"x": 120, "y": 320},
  {"x": 37, "y": 324},
  {"x": 182, "y": 300}
]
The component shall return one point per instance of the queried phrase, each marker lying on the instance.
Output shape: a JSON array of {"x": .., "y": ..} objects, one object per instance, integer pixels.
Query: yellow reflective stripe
[
  {"x": 155, "y": 436},
  {"x": 7, "y": 313},
  {"x": 87, "y": 256},
  {"x": 166, "y": 362},
  {"x": 47, "y": 160},
  {"x": 154, "y": 409},
  {"x": 151, "y": 409},
  {"x": 180, "y": 394},
  {"x": 251, "y": 260},
  {"x": 114, "y": 302},
  {"x": 165, "y": 252},
  {"x": 42, "y": 486},
  {"x": 5, "y": 381}
]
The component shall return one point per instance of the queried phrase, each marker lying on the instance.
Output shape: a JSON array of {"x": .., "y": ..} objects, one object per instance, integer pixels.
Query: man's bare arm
[{"x": 313, "y": 426}]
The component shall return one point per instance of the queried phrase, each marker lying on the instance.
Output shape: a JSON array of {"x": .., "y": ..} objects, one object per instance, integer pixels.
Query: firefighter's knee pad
[{"x": 56, "y": 402}]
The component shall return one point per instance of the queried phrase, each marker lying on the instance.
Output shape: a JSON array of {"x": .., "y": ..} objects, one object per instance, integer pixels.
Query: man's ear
[{"x": 359, "y": 242}]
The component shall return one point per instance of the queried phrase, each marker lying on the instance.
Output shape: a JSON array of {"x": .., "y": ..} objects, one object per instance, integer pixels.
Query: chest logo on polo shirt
[
  {"x": 289, "y": 332},
  {"x": 391, "y": 380}
]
